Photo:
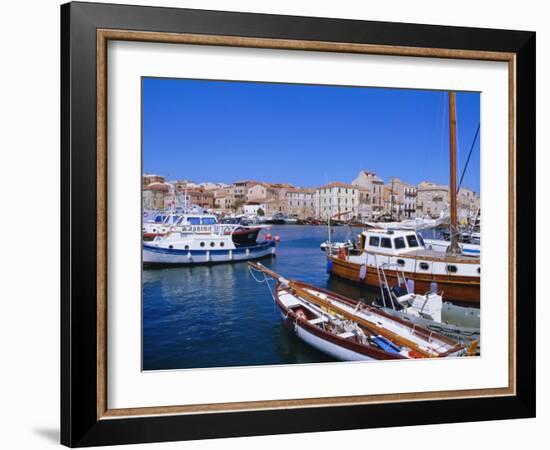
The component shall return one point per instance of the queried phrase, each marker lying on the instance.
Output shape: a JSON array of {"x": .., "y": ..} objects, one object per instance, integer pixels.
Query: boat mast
[{"x": 453, "y": 248}]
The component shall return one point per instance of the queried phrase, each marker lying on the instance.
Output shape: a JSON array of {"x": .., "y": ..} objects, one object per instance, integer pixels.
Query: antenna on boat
[{"x": 453, "y": 248}]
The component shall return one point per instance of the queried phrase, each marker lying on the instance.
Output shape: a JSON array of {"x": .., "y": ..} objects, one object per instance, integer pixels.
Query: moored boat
[
  {"x": 349, "y": 330},
  {"x": 189, "y": 222},
  {"x": 457, "y": 276},
  {"x": 224, "y": 243}
]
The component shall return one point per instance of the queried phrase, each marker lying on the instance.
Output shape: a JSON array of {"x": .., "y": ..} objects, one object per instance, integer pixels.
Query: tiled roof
[{"x": 337, "y": 184}]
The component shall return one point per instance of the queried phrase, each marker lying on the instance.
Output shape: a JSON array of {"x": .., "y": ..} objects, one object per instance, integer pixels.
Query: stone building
[
  {"x": 370, "y": 182},
  {"x": 400, "y": 199},
  {"x": 336, "y": 200},
  {"x": 300, "y": 202},
  {"x": 148, "y": 179},
  {"x": 431, "y": 199},
  {"x": 154, "y": 194}
]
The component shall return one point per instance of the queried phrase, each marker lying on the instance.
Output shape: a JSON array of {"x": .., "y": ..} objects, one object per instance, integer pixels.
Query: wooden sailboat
[
  {"x": 350, "y": 330},
  {"x": 458, "y": 276}
]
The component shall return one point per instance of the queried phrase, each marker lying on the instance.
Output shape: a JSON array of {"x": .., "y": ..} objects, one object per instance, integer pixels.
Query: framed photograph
[{"x": 277, "y": 224}]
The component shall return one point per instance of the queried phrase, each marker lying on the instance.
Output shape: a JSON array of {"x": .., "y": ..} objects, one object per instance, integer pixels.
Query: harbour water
[{"x": 219, "y": 316}]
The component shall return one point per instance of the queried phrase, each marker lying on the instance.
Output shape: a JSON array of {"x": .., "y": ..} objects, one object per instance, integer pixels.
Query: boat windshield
[
  {"x": 208, "y": 221},
  {"x": 412, "y": 241}
]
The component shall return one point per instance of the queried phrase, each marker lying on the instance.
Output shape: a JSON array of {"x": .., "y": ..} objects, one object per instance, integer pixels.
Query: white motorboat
[
  {"x": 183, "y": 222},
  {"x": 224, "y": 243},
  {"x": 335, "y": 246}
]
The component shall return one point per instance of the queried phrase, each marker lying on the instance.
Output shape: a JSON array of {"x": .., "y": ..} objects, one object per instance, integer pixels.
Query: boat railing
[{"x": 385, "y": 288}]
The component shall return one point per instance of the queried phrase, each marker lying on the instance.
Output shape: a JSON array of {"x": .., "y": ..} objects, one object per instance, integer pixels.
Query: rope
[
  {"x": 469, "y": 155},
  {"x": 265, "y": 280}
]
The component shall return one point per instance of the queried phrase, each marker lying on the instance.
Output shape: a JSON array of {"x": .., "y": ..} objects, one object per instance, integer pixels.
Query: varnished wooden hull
[{"x": 454, "y": 288}]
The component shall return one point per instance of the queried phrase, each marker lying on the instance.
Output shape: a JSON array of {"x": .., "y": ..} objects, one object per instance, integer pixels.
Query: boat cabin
[{"x": 391, "y": 241}]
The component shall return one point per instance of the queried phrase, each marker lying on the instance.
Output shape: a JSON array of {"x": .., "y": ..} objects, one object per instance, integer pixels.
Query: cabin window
[
  {"x": 202, "y": 244},
  {"x": 170, "y": 246},
  {"x": 411, "y": 239},
  {"x": 451, "y": 269},
  {"x": 424, "y": 266},
  {"x": 194, "y": 220},
  {"x": 208, "y": 221},
  {"x": 421, "y": 240},
  {"x": 401, "y": 262},
  {"x": 222, "y": 244},
  {"x": 186, "y": 247},
  {"x": 374, "y": 241},
  {"x": 385, "y": 243},
  {"x": 212, "y": 244},
  {"x": 478, "y": 270},
  {"x": 399, "y": 243}
]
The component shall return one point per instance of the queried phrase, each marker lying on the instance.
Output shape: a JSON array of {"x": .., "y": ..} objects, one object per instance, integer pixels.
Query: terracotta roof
[
  {"x": 337, "y": 184},
  {"x": 158, "y": 187}
]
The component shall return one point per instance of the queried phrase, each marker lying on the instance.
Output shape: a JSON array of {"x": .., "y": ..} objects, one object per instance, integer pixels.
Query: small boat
[
  {"x": 224, "y": 243},
  {"x": 349, "y": 330},
  {"x": 281, "y": 219},
  {"x": 427, "y": 310},
  {"x": 335, "y": 246}
]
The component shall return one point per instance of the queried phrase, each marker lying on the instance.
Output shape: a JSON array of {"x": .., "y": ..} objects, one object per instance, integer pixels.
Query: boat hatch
[
  {"x": 346, "y": 335},
  {"x": 318, "y": 320},
  {"x": 288, "y": 300}
]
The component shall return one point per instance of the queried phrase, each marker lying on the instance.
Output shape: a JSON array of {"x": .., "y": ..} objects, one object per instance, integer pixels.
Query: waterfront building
[
  {"x": 240, "y": 188},
  {"x": 468, "y": 205},
  {"x": 252, "y": 208},
  {"x": 300, "y": 202},
  {"x": 364, "y": 209},
  {"x": 261, "y": 191},
  {"x": 336, "y": 200},
  {"x": 369, "y": 181},
  {"x": 400, "y": 199},
  {"x": 432, "y": 199},
  {"x": 200, "y": 197},
  {"x": 223, "y": 200},
  {"x": 153, "y": 195},
  {"x": 148, "y": 179}
]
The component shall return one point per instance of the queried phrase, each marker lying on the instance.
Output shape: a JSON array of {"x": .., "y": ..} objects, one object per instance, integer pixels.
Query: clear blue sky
[{"x": 305, "y": 135}]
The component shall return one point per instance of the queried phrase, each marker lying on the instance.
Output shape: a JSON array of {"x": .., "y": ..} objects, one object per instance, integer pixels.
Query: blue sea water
[{"x": 219, "y": 316}]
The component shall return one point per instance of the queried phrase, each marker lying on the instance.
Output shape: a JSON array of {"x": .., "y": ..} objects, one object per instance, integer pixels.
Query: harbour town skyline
[{"x": 366, "y": 197}]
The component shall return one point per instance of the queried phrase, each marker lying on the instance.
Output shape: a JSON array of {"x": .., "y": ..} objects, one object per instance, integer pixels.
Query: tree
[
  {"x": 238, "y": 203},
  {"x": 260, "y": 212}
]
